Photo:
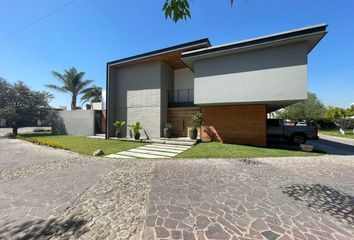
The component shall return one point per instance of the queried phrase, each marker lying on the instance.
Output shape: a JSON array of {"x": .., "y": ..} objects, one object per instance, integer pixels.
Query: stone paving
[
  {"x": 154, "y": 150},
  {"x": 53, "y": 194},
  {"x": 251, "y": 199}
]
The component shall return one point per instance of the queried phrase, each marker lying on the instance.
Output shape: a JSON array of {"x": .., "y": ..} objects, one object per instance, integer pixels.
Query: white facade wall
[
  {"x": 273, "y": 74},
  {"x": 183, "y": 79}
]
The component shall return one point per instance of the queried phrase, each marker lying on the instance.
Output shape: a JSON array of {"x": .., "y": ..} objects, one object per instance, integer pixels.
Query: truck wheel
[{"x": 298, "y": 139}]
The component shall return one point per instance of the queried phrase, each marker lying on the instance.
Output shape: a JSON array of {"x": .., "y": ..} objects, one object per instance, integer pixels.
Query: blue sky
[{"x": 88, "y": 33}]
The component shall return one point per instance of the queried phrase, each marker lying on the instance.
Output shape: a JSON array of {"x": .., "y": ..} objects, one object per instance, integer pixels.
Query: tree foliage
[
  {"x": 341, "y": 117},
  {"x": 337, "y": 112},
  {"x": 21, "y": 106},
  {"x": 178, "y": 9},
  {"x": 72, "y": 83},
  {"x": 92, "y": 94},
  {"x": 310, "y": 109}
]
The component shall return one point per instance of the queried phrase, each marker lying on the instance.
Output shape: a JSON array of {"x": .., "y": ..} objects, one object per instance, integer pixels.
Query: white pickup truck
[{"x": 278, "y": 129}]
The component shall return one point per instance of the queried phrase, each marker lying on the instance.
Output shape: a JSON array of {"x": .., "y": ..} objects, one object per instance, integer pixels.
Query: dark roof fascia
[
  {"x": 161, "y": 51},
  {"x": 259, "y": 41}
]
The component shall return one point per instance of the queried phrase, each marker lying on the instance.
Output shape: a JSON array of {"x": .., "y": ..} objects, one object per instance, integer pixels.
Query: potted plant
[
  {"x": 167, "y": 130},
  {"x": 118, "y": 125},
  {"x": 136, "y": 128},
  {"x": 196, "y": 122}
]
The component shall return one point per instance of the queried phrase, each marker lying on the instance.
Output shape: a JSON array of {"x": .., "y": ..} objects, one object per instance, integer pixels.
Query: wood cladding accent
[
  {"x": 242, "y": 124},
  {"x": 181, "y": 119}
]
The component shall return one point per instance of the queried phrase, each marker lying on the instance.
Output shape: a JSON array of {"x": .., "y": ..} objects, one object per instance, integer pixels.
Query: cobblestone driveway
[{"x": 51, "y": 194}]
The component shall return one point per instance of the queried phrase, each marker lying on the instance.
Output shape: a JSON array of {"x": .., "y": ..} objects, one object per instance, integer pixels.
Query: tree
[
  {"x": 341, "y": 117},
  {"x": 337, "y": 112},
  {"x": 4, "y": 88},
  {"x": 310, "y": 109},
  {"x": 178, "y": 9},
  {"x": 93, "y": 94},
  {"x": 73, "y": 84},
  {"x": 21, "y": 106}
]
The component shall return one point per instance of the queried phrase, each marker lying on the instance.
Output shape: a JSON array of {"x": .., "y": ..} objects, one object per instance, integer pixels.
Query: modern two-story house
[{"x": 234, "y": 85}]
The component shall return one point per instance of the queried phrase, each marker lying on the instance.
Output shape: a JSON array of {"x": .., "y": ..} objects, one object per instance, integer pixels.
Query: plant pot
[
  {"x": 167, "y": 133},
  {"x": 118, "y": 134},
  {"x": 136, "y": 135},
  {"x": 194, "y": 133}
]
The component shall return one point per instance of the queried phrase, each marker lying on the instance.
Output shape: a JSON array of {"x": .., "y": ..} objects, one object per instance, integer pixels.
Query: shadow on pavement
[
  {"x": 333, "y": 147},
  {"x": 323, "y": 199},
  {"x": 44, "y": 229}
]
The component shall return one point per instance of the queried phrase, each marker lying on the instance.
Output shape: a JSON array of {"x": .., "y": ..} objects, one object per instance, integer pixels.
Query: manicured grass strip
[
  {"x": 81, "y": 144},
  {"x": 220, "y": 150},
  {"x": 336, "y": 133}
]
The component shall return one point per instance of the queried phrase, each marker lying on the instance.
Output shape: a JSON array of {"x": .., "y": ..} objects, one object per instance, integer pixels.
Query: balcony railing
[{"x": 181, "y": 97}]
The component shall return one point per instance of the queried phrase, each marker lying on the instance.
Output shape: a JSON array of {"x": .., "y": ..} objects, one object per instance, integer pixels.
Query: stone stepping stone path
[{"x": 154, "y": 150}]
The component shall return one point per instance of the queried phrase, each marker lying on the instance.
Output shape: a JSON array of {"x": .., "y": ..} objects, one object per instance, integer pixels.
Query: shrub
[
  {"x": 325, "y": 123},
  {"x": 168, "y": 126},
  {"x": 135, "y": 127},
  {"x": 197, "y": 120},
  {"x": 10, "y": 135},
  {"x": 118, "y": 125},
  {"x": 40, "y": 130},
  {"x": 44, "y": 142}
]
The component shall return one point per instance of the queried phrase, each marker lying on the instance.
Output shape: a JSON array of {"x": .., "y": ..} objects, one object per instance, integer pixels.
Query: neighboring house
[{"x": 233, "y": 85}]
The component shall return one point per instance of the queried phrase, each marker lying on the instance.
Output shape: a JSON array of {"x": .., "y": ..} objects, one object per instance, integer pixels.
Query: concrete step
[
  {"x": 171, "y": 146},
  {"x": 158, "y": 148},
  {"x": 152, "y": 152},
  {"x": 183, "y": 143},
  {"x": 181, "y": 139},
  {"x": 117, "y": 156},
  {"x": 139, "y": 155}
]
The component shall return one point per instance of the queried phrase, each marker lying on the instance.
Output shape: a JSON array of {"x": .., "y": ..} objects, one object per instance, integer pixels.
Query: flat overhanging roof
[
  {"x": 312, "y": 35},
  {"x": 170, "y": 55}
]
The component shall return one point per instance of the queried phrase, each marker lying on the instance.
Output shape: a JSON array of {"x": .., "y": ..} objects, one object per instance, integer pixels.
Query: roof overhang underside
[
  {"x": 171, "y": 56},
  {"x": 311, "y": 35}
]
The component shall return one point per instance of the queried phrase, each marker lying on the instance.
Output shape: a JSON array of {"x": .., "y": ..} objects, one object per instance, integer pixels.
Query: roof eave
[
  {"x": 305, "y": 34},
  {"x": 203, "y": 43}
]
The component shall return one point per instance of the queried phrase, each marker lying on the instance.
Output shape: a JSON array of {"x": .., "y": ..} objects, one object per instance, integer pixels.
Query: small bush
[
  {"x": 325, "y": 123},
  {"x": 10, "y": 135},
  {"x": 44, "y": 142},
  {"x": 40, "y": 130}
]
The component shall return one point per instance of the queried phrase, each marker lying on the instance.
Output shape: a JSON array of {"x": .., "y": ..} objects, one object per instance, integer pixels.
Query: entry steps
[{"x": 154, "y": 150}]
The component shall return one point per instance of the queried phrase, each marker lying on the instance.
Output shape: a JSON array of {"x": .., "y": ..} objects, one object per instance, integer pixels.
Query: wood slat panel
[{"x": 181, "y": 119}]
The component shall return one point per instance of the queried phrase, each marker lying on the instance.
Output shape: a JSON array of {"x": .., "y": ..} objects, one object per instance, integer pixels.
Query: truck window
[{"x": 273, "y": 122}]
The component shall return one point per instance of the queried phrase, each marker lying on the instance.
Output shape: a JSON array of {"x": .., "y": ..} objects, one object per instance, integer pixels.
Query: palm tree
[
  {"x": 72, "y": 83},
  {"x": 92, "y": 94}
]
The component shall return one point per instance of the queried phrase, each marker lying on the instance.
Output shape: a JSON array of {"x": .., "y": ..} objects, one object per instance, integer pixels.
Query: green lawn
[
  {"x": 222, "y": 150},
  {"x": 83, "y": 145},
  {"x": 336, "y": 133},
  {"x": 87, "y": 146}
]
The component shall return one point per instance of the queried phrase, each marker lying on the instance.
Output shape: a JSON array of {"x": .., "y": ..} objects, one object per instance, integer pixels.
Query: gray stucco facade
[
  {"x": 273, "y": 75},
  {"x": 139, "y": 94},
  {"x": 270, "y": 71}
]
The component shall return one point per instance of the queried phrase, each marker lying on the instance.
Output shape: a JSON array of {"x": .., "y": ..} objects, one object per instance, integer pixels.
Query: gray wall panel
[
  {"x": 78, "y": 122},
  {"x": 136, "y": 96},
  {"x": 270, "y": 74}
]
